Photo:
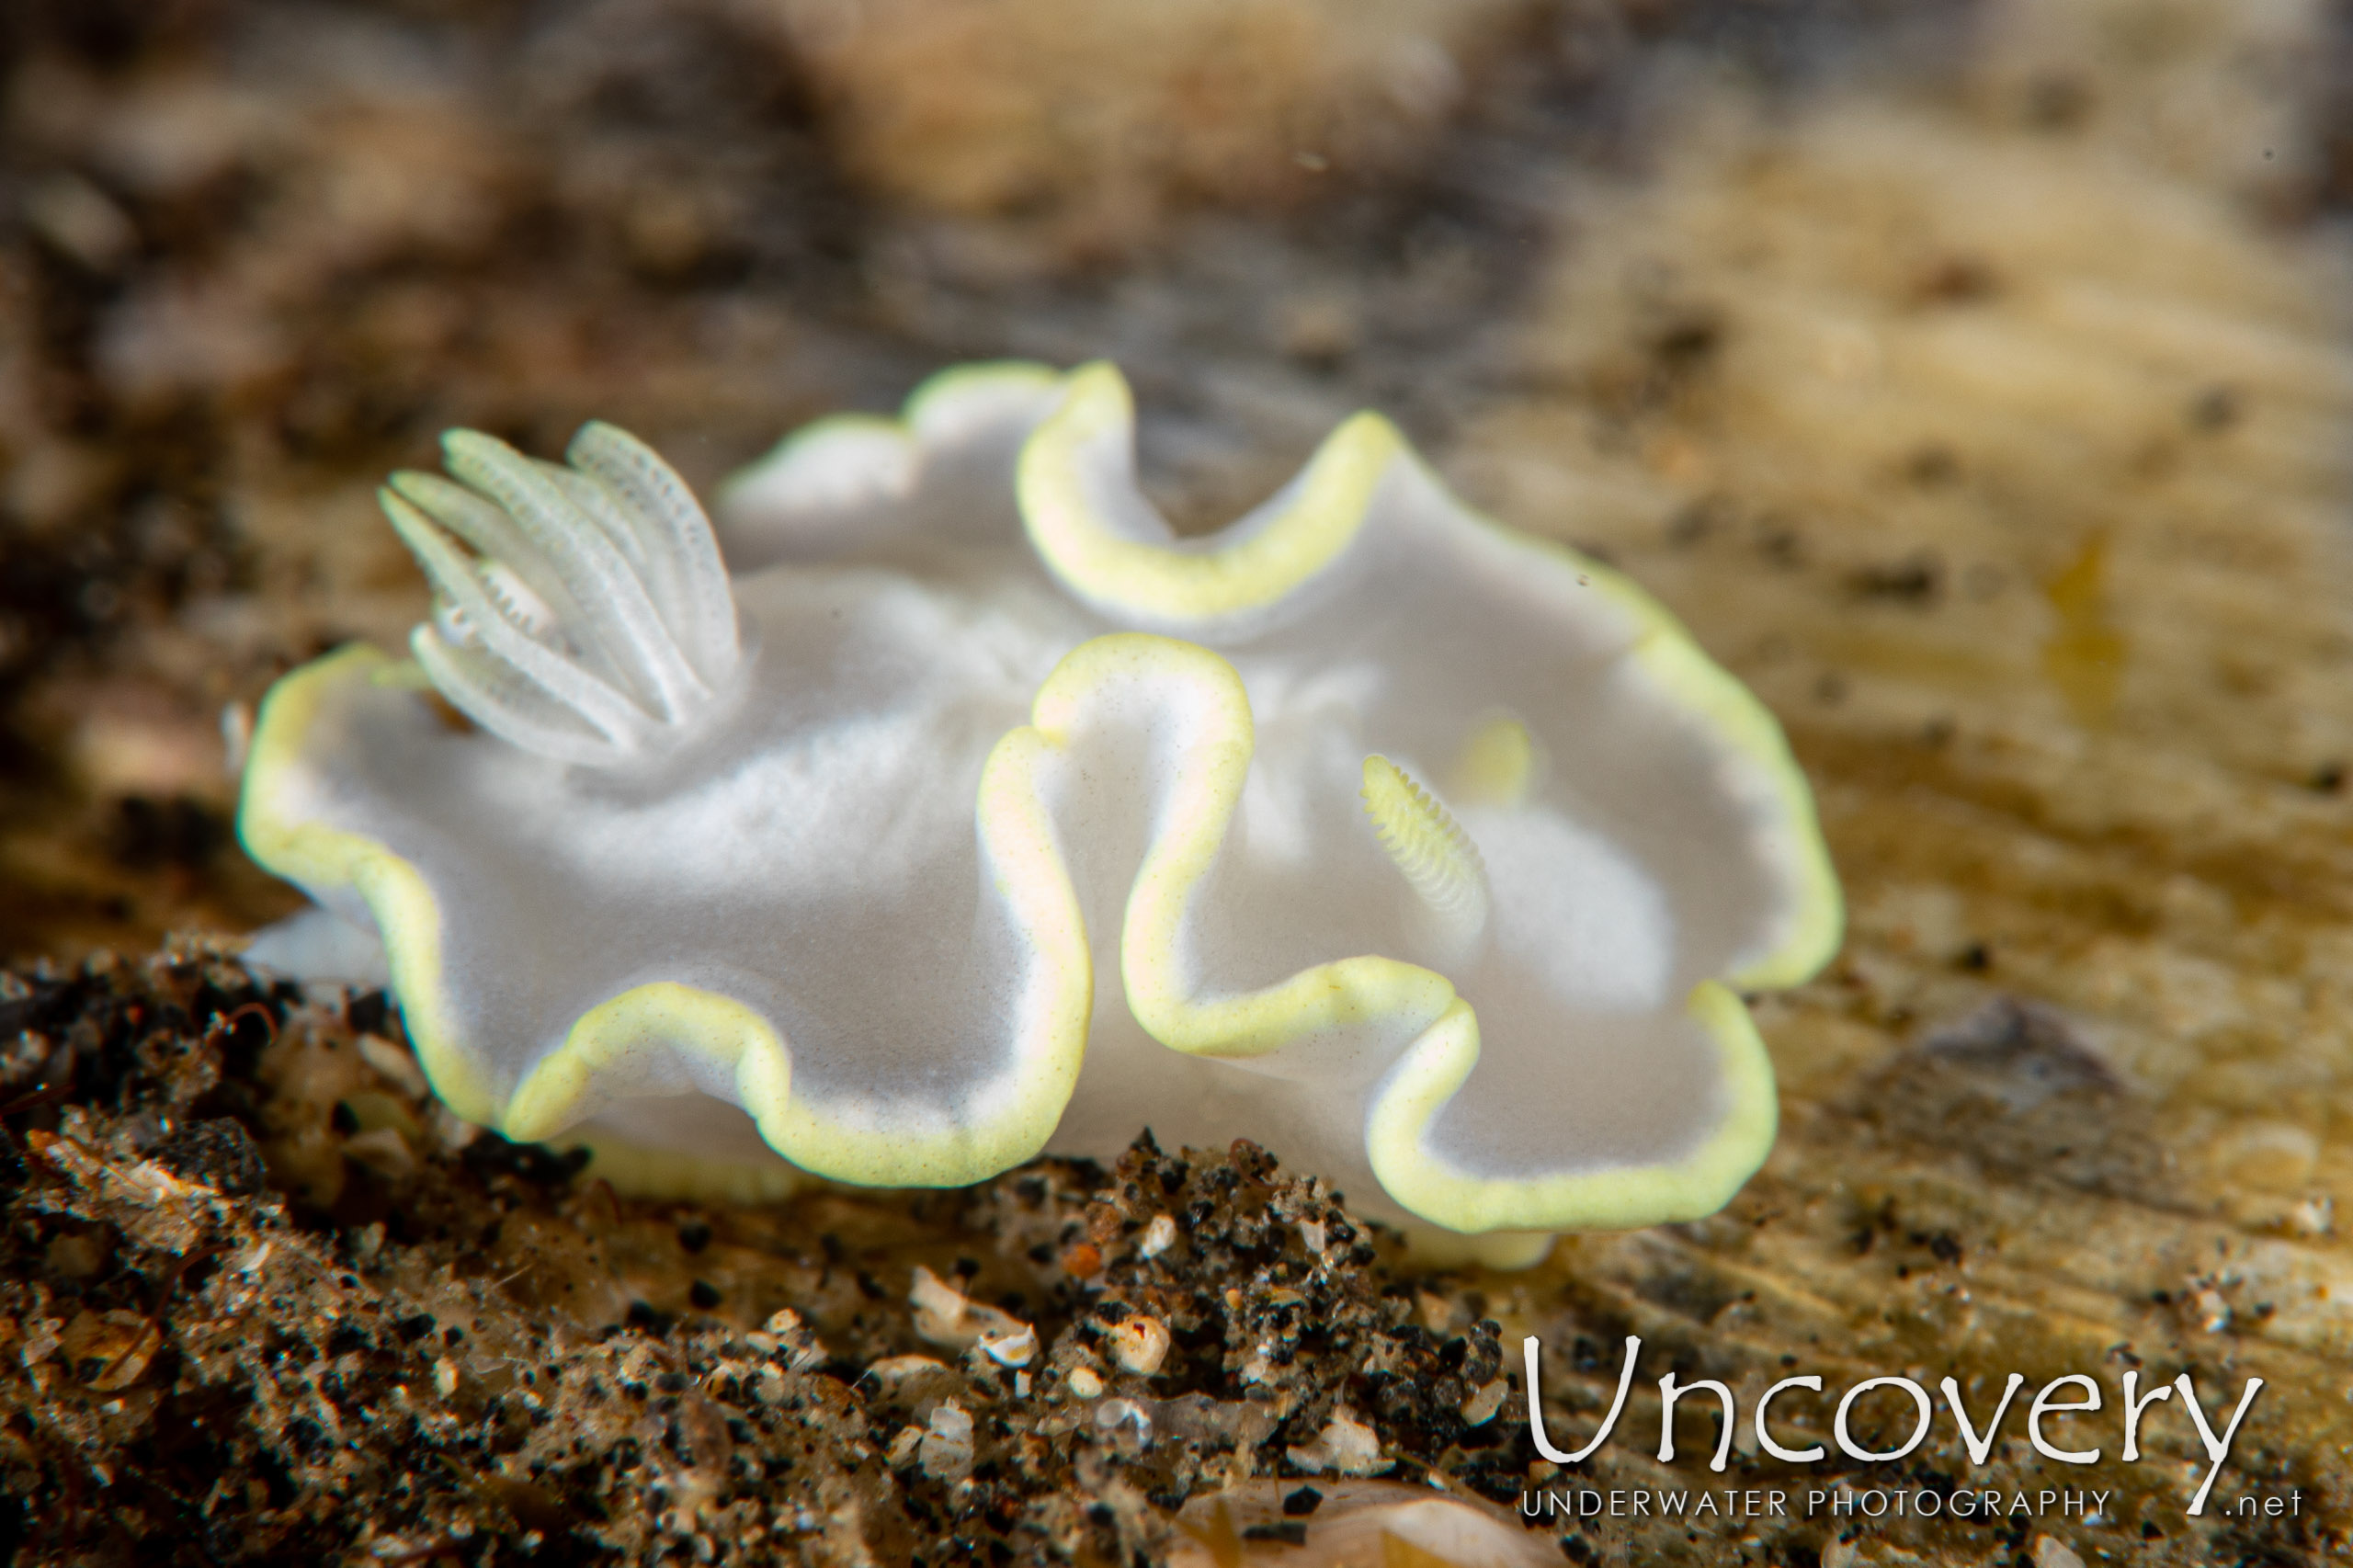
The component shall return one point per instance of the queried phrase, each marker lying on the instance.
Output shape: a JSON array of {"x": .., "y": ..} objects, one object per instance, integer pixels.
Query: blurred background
[
  {"x": 1632, "y": 271},
  {"x": 255, "y": 253},
  {"x": 1973, "y": 376}
]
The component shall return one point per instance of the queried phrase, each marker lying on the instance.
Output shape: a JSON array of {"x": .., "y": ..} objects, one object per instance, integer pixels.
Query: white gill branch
[{"x": 582, "y": 612}]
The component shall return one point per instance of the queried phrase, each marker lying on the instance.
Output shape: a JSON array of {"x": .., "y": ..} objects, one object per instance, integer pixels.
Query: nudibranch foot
[{"x": 977, "y": 814}]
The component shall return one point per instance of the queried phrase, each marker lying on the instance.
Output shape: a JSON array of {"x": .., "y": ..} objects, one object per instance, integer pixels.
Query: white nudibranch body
[{"x": 974, "y": 813}]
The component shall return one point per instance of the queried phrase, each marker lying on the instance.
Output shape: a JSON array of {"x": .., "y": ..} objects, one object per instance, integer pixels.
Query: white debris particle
[
  {"x": 1138, "y": 1344},
  {"x": 1158, "y": 1236},
  {"x": 903, "y": 1446},
  {"x": 393, "y": 1064},
  {"x": 797, "y": 1342},
  {"x": 1484, "y": 1401},
  {"x": 1125, "y": 1422},
  {"x": 945, "y": 1315},
  {"x": 893, "y": 1369},
  {"x": 944, "y": 1451},
  {"x": 1346, "y": 1447},
  {"x": 1011, "y": 1349}
]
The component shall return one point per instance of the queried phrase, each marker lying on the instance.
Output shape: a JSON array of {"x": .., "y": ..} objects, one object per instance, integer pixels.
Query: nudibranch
[{"x": 966, "y": 811}]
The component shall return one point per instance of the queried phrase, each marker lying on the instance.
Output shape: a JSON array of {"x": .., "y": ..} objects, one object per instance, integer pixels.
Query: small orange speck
[
  {"x": 1082, "y": 1261},
  {"x": 457, "y": 723}
]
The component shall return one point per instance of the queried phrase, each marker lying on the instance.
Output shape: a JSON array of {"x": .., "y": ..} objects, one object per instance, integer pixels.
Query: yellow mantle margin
[{"x": 1200, "y": 591}]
